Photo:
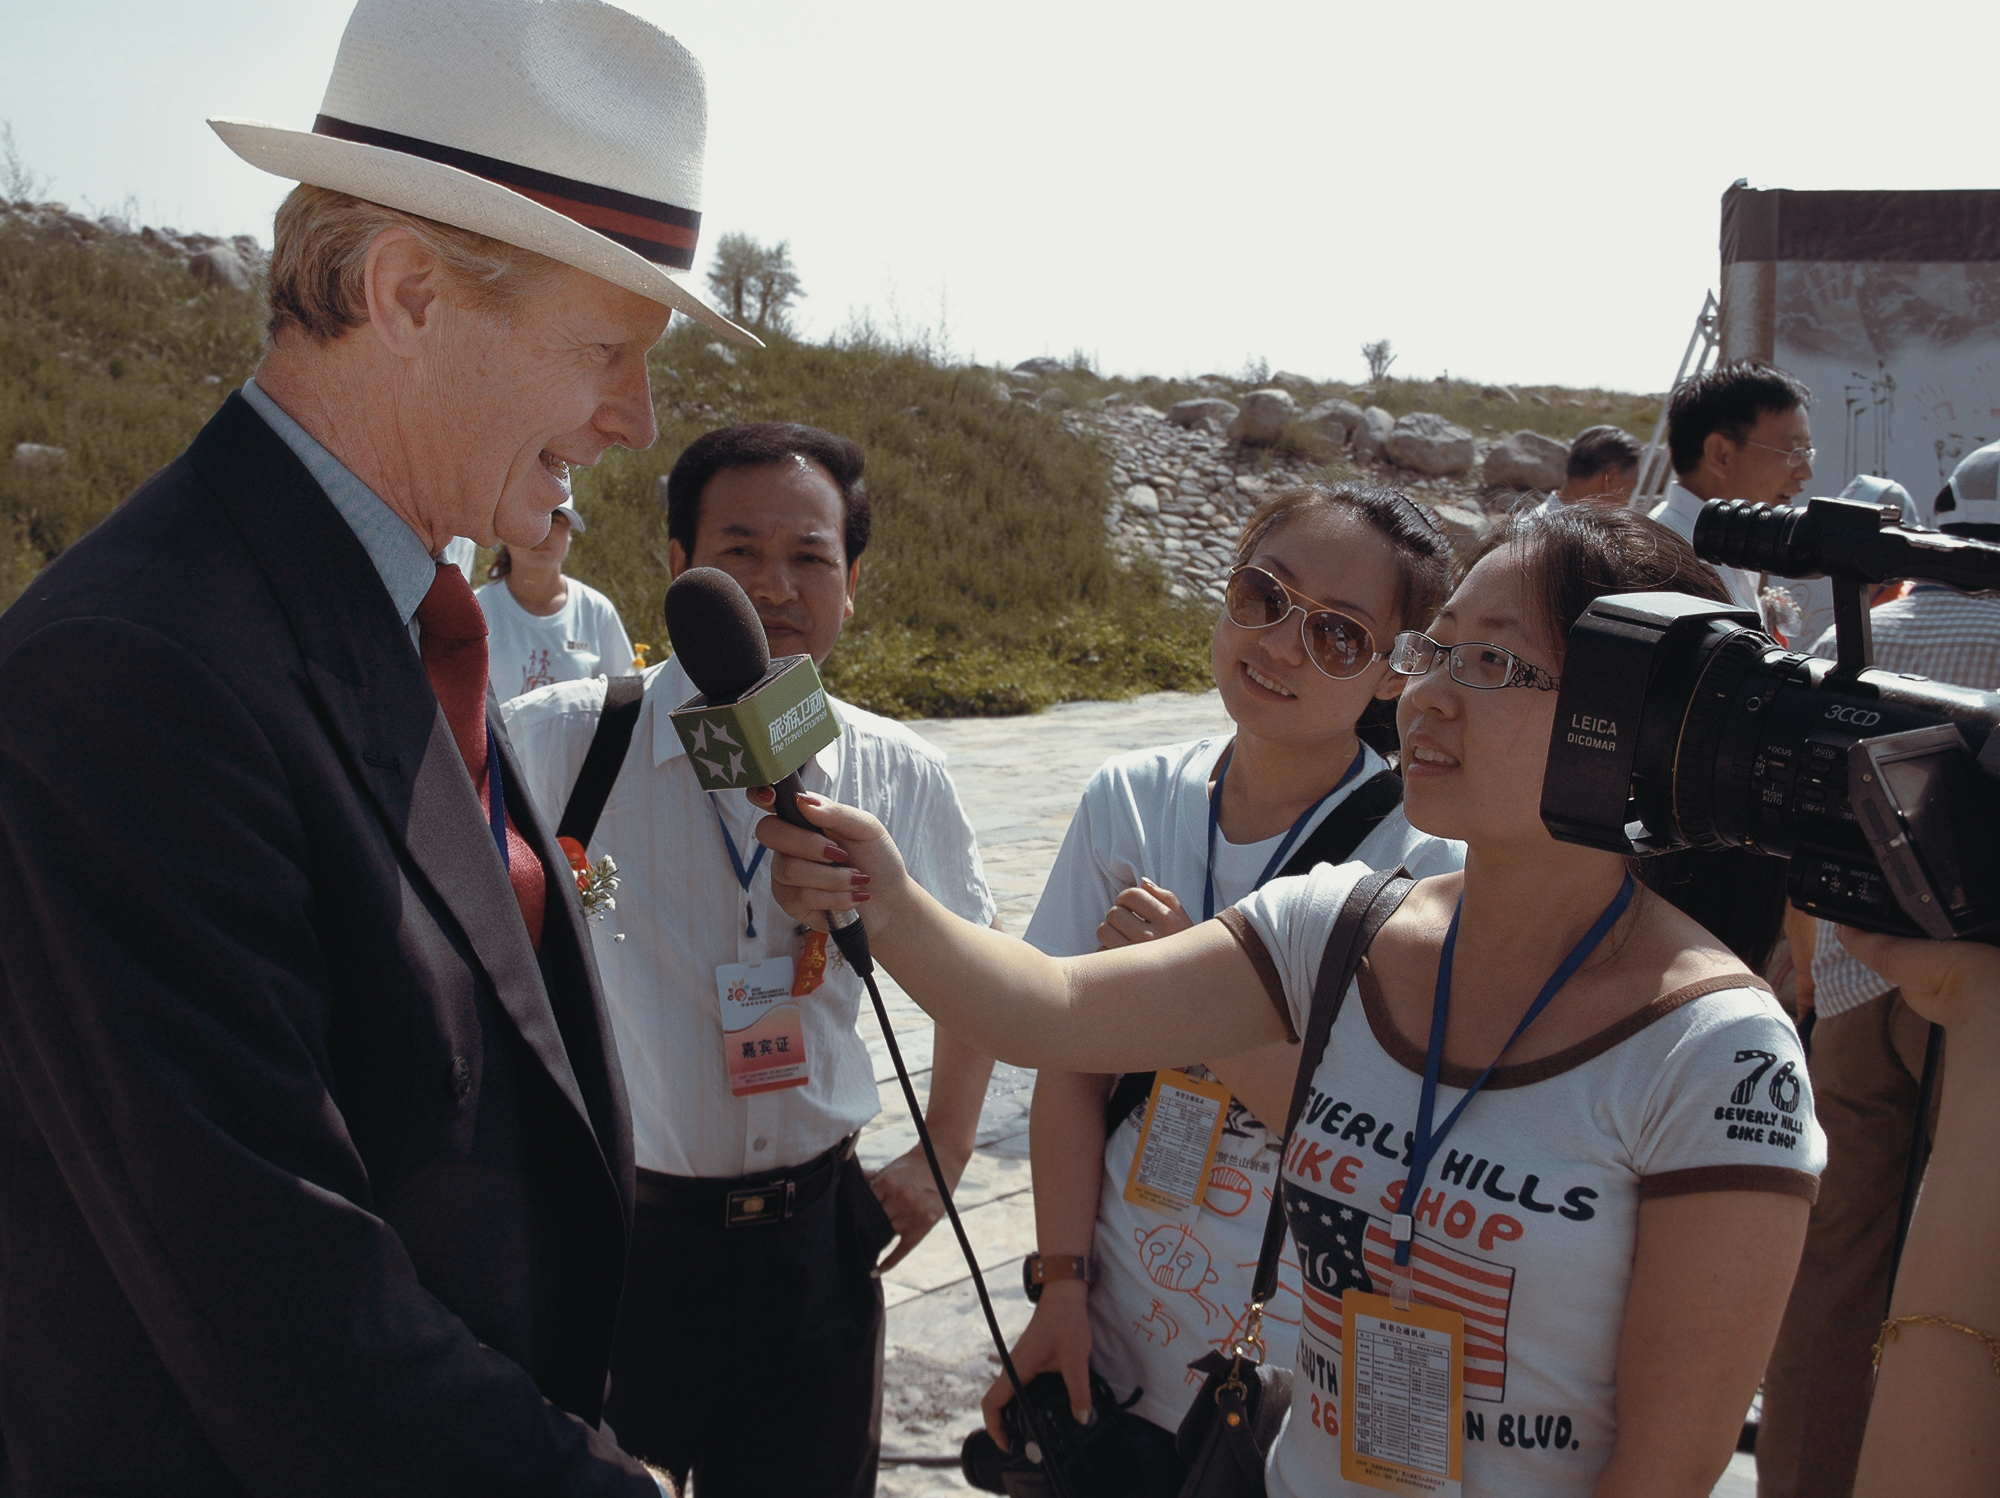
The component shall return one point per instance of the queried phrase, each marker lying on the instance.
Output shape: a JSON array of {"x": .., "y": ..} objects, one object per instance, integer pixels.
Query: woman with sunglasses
[
  {"x": 1164, "y": 837},
  {"x": 1552, "y": 1105}
]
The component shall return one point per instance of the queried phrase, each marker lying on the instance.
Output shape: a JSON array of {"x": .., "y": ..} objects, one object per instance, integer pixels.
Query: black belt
[{"x": 746, "y": 1201}]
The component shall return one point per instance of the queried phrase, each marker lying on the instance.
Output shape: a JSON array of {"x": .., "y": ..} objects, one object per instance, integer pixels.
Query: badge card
[
  {"x": 1402, "y": 1387},
  {"x": 762, "y": 1035},
  {"x": 1177, "y": 1142}
]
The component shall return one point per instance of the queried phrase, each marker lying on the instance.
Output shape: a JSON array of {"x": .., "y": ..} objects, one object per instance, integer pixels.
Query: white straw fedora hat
[{"x": 567, "y": 127}]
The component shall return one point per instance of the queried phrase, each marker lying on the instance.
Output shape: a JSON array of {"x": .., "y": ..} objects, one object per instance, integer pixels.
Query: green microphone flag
[{"x": 765, "y": 734}]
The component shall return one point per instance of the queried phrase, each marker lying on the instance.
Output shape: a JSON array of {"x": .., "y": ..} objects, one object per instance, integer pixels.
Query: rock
[
  {"x": 218, "y": 265},
  {"x": 1370, "y": 437},
  {"x": 1539, "y": 399},
  {"x": 1055, "y": 398},
  {"x": 1115, "y": 398},
  {"x": 1461, "y": 523},
  {"x": 1141, "y": 497},
  {"x": 1263, "y": 418},
  {"x": 1202, "y": 408},
  {"x": 1526, "y": 460},
  {"x": 1022, "y": 380},
  {"x": 1040, "y": 367},
  {"x": 1287, "y": 380},
  {"x": 35, "y": 457},
  {"x": 1337, "y": 418},
  {"x": 721, "y": 351},
  {"x": 1498, "y": 393},
  {"x": 1427, "y": 443}
]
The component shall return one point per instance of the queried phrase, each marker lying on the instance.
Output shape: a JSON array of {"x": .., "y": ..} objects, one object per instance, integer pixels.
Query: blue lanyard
[
  {"x": 743, "y": 875},
  {"x": 1425, "y": 1144},
  {"x": 1278, "y": 858}
]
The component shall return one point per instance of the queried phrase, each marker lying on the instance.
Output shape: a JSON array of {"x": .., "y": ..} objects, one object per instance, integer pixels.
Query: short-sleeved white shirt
[
  {"x": 681, "y": 914},
  {"x": 1529, "y": 1220},
  {"x": 524, "y": 651},
  {"x": 1173, "y": 1287}
]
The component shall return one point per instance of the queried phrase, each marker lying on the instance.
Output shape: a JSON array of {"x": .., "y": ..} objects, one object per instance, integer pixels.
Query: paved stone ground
[{"x": 1019, "y": 779}]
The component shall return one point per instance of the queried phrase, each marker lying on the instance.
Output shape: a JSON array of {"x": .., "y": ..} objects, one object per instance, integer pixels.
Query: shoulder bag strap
[
  {"x": 604, "y": 760},
  {"x": 1373, "y": 901},
  {"x": 1348, "y": 824}
]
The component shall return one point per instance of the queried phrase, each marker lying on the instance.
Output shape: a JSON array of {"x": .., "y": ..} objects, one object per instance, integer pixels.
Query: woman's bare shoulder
[{"x": 1680, "y": 951}]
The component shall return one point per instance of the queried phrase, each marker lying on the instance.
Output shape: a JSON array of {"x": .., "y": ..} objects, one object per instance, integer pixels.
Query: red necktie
[{"x": 453, "y": 645}]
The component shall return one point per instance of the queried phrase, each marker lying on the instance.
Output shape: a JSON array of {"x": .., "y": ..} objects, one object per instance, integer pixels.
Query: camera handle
[{"x": 1853, "y": 630}]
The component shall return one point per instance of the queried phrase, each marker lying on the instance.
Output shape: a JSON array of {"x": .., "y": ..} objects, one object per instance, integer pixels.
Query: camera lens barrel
[{"x": 1758, "y": 538}]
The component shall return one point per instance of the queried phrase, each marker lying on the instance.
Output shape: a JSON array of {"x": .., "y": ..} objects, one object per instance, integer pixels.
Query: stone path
[{"x": 1019, "y": 779}]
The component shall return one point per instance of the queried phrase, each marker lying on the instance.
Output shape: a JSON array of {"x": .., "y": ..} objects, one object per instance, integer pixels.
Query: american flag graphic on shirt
[{"x": 1341, "y": 1247}]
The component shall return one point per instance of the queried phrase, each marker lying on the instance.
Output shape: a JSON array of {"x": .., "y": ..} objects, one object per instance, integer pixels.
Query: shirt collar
[
  {"x": 406, "y": 567},
  {"x": 667, "y": 687},
  {"x": 1684, "y": 501}
]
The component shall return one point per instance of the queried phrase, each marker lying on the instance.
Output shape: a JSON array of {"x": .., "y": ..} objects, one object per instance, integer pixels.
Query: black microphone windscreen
[{"x": 716, "y": 633}]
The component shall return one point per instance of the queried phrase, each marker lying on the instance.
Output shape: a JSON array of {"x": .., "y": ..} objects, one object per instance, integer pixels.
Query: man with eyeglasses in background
[{"x": 1740, "y": 431}]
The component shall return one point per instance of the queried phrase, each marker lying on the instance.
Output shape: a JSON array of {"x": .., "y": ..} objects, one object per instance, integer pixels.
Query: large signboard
[{"x": 1887, "y": 305}]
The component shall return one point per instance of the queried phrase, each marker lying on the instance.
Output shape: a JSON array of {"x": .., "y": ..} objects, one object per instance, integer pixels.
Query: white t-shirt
[
  {"x": 1172, "y": 1288},
  {"x": 1529, "y": 1220},
  {"x": 582, "y": 639}
]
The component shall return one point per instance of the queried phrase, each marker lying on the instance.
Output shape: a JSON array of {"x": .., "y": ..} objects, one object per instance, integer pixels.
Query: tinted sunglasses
[{"x": 1339, "y": 646}]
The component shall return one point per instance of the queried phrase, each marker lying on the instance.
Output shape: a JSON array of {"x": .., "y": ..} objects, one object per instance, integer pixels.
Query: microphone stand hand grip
[{"x": 844, "y": 925}]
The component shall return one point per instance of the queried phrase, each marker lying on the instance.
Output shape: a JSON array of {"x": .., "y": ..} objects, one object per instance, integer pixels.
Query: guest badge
[
  {"x": 761, "y": 1032},
  {"x": 1178, "y": 1139},
  {"x": 1402, "y": 1386}
]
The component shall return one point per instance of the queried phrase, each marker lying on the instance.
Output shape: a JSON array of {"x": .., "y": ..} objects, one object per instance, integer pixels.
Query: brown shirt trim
[
  {"x": 1779, "y": 1178},
  {"x": 1238, "y": 926},
  {"x": 1408, "y": 1054}
]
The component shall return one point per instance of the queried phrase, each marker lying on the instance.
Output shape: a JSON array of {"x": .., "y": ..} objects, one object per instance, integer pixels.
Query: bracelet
[{"x": 1892, "y": 1328}]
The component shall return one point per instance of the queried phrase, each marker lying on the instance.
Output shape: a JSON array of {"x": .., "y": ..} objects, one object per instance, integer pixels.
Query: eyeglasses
[
  {"x": 1340, "y": 647},
  {"x": 1473, "y": 664},
  {"x": 1795, "y": 457}
]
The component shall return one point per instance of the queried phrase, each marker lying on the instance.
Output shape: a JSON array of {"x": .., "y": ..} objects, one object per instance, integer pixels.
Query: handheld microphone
[{"x": 752, "y": 721}]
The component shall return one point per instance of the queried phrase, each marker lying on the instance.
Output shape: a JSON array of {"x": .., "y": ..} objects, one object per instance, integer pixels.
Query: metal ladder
[{"x": 1654, "y": 467}]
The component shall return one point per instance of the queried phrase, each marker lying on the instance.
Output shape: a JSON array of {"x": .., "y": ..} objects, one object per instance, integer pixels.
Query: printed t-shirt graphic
[
  {"x": 1174, "y": 1286},
  {"x": 1527, "y": 1223},
  {"x": 582, "y": 639}
]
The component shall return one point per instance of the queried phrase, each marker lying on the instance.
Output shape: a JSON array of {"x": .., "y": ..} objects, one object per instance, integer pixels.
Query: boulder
[
  {"x": 1202, "y": 408},
  {"x": 1427, "y": 443},
  {"x": 1041, "y": 367},
  {"x": 1369, "y": 439},
  {"x": 1336, "y": 418},
  {"x": 1263, "y": 418},
  {"x": 1461, "y": 523},
  {"x": 218, "y": 265},
  {"x": 1055, "y": 398},
  {"x": 1498, "y": 393},
  {"x": 36, "y": 457},
  {"x": 1112, "y": 401},
  {"x": 1141, "y": 497},
  {"x": 1526, "y": 460},
  {"x": 1288, "y": 380}
]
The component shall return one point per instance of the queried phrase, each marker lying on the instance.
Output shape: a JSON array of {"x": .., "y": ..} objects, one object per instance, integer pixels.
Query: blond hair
[{"x": 319, "y": 256}]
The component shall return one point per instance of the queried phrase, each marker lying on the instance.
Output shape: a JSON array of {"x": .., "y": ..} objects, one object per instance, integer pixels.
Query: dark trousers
[
  {"x": 752, "y": 1356},
  {"x": 1866, "y": 1064}
]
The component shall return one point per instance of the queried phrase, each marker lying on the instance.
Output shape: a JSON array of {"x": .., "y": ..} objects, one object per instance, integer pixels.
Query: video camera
[{"x": 1681, "y": 724}]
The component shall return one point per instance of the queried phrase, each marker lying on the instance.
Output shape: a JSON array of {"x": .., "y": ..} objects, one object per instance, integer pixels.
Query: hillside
[{"x": 1001, "y": 578}]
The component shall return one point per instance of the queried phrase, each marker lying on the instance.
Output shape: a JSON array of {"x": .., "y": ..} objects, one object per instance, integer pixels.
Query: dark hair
[
  {"x": 1728, "y": 399},
  {"x": 1600, "y": 449},
  {"x": 1423, "y": 564},
  {"x": 753, "y": 444},
  {"x": 1573, "y": 555}
]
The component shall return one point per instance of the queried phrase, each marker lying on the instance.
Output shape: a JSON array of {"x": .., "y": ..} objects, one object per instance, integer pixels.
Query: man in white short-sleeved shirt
[
  {"x": 1172, "y": 1286},
  {"x": 750, "y": 1339},
  {"x": 1528, "y": 1222},
  {"x": 543, "y": 627}
]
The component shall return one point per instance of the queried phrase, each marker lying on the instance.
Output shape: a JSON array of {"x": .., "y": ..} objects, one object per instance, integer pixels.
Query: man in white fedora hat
[{"x": 316, "y": 1168}]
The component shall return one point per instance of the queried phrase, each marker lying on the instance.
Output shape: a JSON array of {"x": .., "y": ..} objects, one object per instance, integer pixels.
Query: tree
[
  {"x": 1379, "y": 358},
  {"x": 755, "y": 283}
]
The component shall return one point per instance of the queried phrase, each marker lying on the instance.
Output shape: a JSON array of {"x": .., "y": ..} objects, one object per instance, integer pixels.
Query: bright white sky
[{"x": 1524, "y": 192}]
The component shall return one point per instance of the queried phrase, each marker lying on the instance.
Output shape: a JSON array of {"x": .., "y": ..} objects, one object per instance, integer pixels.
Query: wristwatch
[{"x": 1038, "y": 1270}]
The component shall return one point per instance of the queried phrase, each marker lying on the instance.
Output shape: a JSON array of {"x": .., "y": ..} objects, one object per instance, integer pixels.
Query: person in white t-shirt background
[
  {"x": 1325, "y": 577},
  {"x": 543, "y": 627},
  {"x": 1617, "y": 1217}
]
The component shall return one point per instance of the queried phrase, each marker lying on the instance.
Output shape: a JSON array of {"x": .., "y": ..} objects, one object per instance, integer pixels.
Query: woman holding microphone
[
  {"x": 1559, "y": 1149},
  {"x": 1164, "y": 837}
]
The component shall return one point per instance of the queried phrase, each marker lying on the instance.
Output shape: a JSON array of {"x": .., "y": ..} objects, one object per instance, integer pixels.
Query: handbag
[{"x": 1229, "y": 1428}]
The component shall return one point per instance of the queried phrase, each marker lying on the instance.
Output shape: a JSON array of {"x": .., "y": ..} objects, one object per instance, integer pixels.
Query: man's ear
[
  {"x": 403, "y": 285},
  {"x": 1718, "y": 454},
  {"x": 677, "y": 560},
  {"x": 853, "y": 585}
]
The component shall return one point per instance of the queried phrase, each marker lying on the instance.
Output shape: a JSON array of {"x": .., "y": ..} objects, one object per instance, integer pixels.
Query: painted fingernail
[
  {"x": 834, "y": 853},
  {"x": 855, "y": 881},
  {"x": 859, "y": 898}
]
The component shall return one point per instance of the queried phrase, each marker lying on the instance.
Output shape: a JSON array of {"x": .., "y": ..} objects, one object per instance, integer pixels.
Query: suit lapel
[{"x": 378, "y": 705}]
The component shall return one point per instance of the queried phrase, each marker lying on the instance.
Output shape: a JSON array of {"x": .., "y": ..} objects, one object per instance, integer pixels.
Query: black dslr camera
[
  {"x": 1093, "y": 1461},
  {"x": 1681, "y": 724}
]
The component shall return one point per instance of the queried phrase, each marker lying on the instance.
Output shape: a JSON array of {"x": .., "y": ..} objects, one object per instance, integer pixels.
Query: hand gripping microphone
[{"x": 753, "y": 721}]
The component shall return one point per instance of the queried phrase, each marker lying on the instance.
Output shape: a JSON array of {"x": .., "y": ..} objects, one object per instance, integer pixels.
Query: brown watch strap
[{"x": 1046, "y": 1268}]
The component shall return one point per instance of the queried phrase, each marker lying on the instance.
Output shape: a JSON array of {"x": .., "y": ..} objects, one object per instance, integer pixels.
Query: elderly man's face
[{"x": 515, "y": 405}]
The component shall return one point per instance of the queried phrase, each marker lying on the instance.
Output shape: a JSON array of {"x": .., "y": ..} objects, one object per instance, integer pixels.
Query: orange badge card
[
  {"x": 762, "y": 1035},
  {"x": 1402, "y": 1387},
  {"x": 1177, "y": 1142}
]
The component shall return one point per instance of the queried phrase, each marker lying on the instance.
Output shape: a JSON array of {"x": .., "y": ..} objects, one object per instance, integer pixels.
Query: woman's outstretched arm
[{"x": 1159, "y": 1004}]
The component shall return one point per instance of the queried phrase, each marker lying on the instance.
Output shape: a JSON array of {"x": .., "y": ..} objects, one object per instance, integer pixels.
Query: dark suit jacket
[{"x": 313, "y": 1179}]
